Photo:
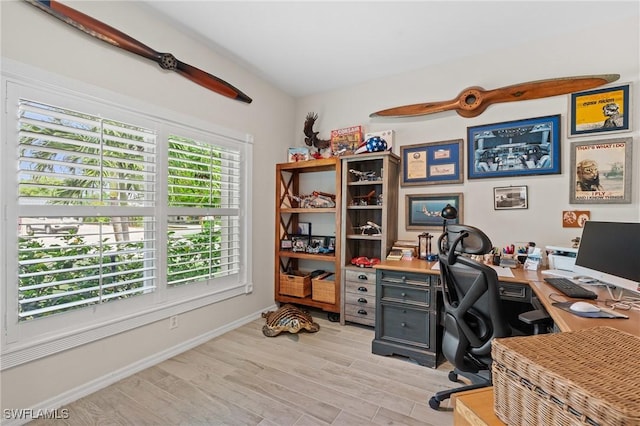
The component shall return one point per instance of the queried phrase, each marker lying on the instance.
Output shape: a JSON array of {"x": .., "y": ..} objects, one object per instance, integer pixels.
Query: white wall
[
  {"x": 586, "y": 52},
  {"x": 36, "y": 39}
]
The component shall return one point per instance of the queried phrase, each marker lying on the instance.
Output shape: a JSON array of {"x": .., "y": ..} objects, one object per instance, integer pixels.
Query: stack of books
[
  {"x": 394, "y": 254},
  {"x": 402, "y": 250}
]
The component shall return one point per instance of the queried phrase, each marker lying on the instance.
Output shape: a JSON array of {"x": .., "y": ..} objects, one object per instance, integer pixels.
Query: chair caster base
[{"x": 434, "y": 403}]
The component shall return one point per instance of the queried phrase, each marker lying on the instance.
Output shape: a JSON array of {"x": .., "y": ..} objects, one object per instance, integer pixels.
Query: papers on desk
[{"x": 502, "y": 271}]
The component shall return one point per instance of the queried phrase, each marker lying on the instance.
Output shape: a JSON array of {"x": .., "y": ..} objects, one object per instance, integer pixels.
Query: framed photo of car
[
  {"x": 514, "y": 148},
  {"x": 602, "y": 110},
  {"x": 510, "y": 197}
]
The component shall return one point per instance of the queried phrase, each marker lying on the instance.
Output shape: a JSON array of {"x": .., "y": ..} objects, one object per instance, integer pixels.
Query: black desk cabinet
[{"x": 406, "y": 320}]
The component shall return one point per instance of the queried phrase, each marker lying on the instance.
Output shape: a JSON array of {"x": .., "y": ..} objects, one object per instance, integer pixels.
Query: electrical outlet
[{"x": 173, "y": 322}]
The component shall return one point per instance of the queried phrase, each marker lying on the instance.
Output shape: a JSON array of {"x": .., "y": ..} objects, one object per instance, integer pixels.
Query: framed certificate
[{"x": 432, "y": 163}]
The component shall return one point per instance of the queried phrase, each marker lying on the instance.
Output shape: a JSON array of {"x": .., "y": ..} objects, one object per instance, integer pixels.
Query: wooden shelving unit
[{"x": 289, "y": 181}]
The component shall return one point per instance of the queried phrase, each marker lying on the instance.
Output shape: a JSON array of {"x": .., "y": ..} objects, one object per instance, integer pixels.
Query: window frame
[{"x": 24, "y": 341}]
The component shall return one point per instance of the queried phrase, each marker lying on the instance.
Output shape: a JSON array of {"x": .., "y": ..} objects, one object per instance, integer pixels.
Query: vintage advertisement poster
[
  {"x": 601, "y": 171},
  {"x": 599, "y": 111}
]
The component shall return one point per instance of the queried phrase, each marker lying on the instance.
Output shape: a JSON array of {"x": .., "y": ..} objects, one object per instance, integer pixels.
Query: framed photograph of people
[
  {"x": 601, "y": 172},
  {"x": 432, "y": 163},
  {"x": 423, "y": 212},
  {"x": 510, "y": 197},
  {"x": 514, "y": 148},
  {"x": 604, "y": 110}
]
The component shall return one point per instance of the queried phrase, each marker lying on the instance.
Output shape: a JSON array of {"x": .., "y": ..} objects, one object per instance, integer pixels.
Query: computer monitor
[{"x": 609, "y": 252}]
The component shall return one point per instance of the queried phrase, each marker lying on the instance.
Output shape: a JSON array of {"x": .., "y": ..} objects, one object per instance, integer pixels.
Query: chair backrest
[{"x": 474, "y": 315}]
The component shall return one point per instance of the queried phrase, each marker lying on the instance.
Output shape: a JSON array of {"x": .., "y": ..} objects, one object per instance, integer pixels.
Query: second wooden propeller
[{"x": 472, "y": 101}]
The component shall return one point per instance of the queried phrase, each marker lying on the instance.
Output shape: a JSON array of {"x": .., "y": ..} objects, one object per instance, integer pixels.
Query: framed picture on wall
[
  {"x": 605, "y": 110},
  {"x": 423, "y": 212},
  {"x": 514, "y": 148},
  {"x": 510, "y": 197},
  {"x": 432, "y": 163},
  {"x": 601, "y": 172}
]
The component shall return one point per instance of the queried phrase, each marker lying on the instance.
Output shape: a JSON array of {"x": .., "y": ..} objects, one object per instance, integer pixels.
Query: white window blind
[
  {"x": 204, "y": 209},
  {"x": 69, "y": 159}
]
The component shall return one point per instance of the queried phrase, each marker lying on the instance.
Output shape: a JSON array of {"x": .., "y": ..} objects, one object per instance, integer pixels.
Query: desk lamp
[{"x": 448, "y": 212}]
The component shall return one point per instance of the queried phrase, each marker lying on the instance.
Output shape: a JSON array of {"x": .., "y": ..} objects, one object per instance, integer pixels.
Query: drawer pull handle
[
  {"x": 362, "y": 300},
  {"x": 404, "y": 278},
  {"x": 403, "y": 324},
  {"x": 362, "y": 277},
  {"x": 362, "y": 289},
  {"x": 403, "y": 294},
  {"x": 362, "y": 312}
]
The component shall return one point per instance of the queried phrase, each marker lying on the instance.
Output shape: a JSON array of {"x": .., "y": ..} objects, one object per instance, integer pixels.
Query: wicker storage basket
[
  {"x": 323, "y": 288},
  {"x": 589, "y": 376},
  {"x": 297, "y": 284}
]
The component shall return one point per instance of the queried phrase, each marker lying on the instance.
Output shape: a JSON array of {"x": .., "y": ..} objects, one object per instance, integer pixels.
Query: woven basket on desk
[{"x": 589, "y": 376}]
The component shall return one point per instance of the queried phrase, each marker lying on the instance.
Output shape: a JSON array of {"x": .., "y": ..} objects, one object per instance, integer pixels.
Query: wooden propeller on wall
[
  {"x": 472, "y": 101},
  {"x": 110, "y": 35}
]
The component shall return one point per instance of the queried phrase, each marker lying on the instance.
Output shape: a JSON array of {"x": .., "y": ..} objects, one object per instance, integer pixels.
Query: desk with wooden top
[
  {"x": 476, "y": 407},
  {"x": 565, "y": 321}
]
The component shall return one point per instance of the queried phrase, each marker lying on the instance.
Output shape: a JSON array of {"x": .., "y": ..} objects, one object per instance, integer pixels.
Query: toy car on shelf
[{"x": 365, "y": 262}]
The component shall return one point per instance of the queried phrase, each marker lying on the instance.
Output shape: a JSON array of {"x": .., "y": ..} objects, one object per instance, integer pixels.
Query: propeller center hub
[
  {"x": 168, "y": 62},
  {"x": 471, "y": 99}
]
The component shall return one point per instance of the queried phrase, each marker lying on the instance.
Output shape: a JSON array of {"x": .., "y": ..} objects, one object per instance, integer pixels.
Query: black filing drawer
[
  {"x": 404, "y": 325},
  {"x": 406, "y": 316},
  {"x": 413, "y": 295}
]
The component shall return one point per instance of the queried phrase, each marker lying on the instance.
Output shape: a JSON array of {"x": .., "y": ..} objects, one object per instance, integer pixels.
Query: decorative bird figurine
[{"x": 311, "y": 138}]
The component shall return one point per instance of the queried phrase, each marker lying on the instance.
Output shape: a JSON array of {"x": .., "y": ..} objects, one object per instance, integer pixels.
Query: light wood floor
[{"x": 244, "y": 378}]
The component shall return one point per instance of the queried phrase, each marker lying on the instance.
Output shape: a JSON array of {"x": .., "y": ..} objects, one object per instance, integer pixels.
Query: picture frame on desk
[
  {"x": 433, "y": 163},
  {"x": 604, "y": 110},
  {"x": 514, "y": 148},
  {"x": 423, "y": 212},
  {"x": 601, "y": 171}
]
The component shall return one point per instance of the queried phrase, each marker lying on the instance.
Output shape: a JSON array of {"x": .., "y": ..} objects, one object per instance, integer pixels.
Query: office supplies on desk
[
  {"x": 569, "y": 288},
  {"x": 562, "y": 258}
]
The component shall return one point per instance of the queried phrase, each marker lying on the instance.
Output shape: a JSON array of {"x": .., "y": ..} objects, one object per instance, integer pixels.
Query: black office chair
[{"x": 473, "y": 311}]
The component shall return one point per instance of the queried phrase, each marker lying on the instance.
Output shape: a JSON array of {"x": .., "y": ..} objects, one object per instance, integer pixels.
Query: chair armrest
[{"x": 539, "y": 318}]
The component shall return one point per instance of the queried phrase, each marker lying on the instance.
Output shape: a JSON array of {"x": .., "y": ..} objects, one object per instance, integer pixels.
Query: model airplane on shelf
[
  {"x": 365, "y": 176},
  {"x": 370, "y": 229},
  {"x": 316, "y": 200},
  {"x": 472, "y": 101}
]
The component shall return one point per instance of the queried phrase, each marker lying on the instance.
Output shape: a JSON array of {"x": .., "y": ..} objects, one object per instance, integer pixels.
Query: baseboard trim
[{"x": 114, "y": 376}]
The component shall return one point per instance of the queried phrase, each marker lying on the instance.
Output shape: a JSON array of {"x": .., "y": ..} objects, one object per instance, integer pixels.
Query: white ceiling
[{"x": 307, "y": 47}]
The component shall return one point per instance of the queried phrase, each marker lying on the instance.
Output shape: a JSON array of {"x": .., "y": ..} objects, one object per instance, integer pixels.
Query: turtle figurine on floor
[{"x": 288, "y": 318}]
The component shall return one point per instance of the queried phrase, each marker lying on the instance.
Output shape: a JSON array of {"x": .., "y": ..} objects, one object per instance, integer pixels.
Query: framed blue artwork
[
  {"x": 424, "y": 211},
  {"x": 514, "y": 148}
]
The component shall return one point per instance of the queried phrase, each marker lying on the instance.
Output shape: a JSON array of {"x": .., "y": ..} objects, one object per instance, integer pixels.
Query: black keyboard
[{"x": 571, "y": 289}]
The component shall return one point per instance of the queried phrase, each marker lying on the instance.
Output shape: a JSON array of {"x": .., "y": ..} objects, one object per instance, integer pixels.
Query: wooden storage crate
[
  {"x": 297, "y": 284},
  {"x": 324, "y": 288},
  {"x": 585, "y": 377}
]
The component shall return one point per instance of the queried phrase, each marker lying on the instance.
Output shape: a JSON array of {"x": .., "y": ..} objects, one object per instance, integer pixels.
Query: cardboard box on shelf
[{"x": 346, "y": 140}]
